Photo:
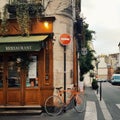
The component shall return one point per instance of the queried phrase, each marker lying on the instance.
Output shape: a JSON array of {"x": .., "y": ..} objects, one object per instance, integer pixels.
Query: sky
[{"x": 103, "y": 17}]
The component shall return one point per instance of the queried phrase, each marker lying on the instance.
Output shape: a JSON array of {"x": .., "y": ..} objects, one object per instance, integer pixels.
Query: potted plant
[
  {"x": 94, "y": 84},
  {"x": 4, "y": 27},
  {"x": 23, "y": 12},
  {"x": 23, "y": 18}
]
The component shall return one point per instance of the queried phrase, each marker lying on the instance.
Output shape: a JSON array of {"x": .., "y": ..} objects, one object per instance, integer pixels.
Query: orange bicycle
[{"x": 55, "y": 104}]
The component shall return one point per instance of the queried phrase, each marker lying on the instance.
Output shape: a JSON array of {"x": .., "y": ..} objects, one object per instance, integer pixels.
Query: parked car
[{"x": 115, "y": 80}]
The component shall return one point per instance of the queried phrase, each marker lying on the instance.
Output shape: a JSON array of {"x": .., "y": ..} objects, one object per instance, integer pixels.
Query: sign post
[
  {"x": 64, "y": 73},
  {"x": 65, "y": 40}
]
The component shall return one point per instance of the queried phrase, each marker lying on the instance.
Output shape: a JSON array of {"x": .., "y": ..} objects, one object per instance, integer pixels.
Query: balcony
[
  {"x": 32, "y": 9},
  {"x": 22, "y": 12}
]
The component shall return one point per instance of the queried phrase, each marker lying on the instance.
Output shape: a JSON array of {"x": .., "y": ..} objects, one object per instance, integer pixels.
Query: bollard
[{"x": 101, "y": 81}]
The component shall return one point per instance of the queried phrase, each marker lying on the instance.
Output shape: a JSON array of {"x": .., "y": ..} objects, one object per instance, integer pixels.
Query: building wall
[
  {"x": 102, "y": 68},
  {"x": 62, "y": 10},
  {"x": 112, "y": 62},
  {"x": 62, "y": 25}
]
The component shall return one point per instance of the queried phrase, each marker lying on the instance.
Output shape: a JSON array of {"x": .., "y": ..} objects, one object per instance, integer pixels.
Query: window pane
[
  {"x": 32, "y": 78},
  {"x": 13, "y": 73}
]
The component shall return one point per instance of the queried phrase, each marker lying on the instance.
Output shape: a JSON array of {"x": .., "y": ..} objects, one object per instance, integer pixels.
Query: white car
[{"x": 115, "y": 80}]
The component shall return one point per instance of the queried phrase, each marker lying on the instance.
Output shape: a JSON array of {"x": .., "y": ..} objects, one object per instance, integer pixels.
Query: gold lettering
[{"x": 12, "y": 48}]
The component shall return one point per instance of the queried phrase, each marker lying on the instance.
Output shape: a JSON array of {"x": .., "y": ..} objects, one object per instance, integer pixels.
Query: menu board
[{"x": 32, "y": 73}]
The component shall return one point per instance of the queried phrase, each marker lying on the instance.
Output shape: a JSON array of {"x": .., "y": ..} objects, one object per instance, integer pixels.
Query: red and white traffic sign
[{"x": 65, "y": 39}]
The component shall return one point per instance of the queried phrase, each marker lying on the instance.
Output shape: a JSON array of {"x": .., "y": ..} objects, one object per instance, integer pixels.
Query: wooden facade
[{"x": 21, "y": 84}]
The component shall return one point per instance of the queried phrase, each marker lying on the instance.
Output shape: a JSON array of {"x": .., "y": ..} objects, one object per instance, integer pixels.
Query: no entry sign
[{"x": 65, "y": 39}]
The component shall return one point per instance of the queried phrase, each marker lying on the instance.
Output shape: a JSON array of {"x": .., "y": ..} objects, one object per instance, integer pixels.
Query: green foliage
[
  {"x": 23, "y": 18},
  {"x": 23, "y": 60},
  {"x": 86, "y": 60},
  {"x": 4, "y": 25},
  {"x": 88, "y": 33},
  {"x": 23, "y": 12}
]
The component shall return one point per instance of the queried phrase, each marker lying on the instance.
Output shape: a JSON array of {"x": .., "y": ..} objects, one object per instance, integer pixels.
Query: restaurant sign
[{"x": 15, "y": 47}]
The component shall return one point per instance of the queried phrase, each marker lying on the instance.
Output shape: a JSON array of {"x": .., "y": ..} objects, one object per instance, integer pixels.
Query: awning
[{"x": 19, "y": 43}]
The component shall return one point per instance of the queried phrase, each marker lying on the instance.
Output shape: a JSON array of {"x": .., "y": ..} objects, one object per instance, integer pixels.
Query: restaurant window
[
  {"x": 32, "y": 76},
  {"x": 1, "y": 72},
  {"x": 13, "y": 72}
]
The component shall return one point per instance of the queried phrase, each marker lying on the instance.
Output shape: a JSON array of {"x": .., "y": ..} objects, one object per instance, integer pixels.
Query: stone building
[
  {"x": 32, "y": 60},
  {"x": 112, "y": 61},
  {"x": 63, "y": 12},
  {"x": 102, "y": 67}
]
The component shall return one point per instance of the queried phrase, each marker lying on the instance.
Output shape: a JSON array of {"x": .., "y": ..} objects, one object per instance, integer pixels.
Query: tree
[{"x": 85, "y": 61}]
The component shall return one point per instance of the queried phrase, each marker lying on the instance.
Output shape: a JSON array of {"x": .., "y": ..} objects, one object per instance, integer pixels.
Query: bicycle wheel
[
  {"x": 53, "y": 105},
  {"x": 80, "y": 103}
]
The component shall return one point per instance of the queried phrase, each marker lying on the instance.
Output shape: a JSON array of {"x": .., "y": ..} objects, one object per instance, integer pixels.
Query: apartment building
[{"x": 32, "y": 59}]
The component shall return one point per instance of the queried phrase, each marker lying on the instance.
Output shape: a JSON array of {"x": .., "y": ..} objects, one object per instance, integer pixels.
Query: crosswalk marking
[
  {"x": 104, "y": 109},
  {"x": 91, "y": 112},
  {"x": 118, "y": 105}
]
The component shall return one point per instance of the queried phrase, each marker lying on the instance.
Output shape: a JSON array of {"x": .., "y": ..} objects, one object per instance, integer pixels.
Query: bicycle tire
[
  {"x": 80, "y": 103},
  {"x": 53, "y": 105}
]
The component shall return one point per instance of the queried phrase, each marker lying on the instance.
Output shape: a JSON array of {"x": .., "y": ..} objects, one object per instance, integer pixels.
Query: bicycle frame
[{"x": 70, "y": 93}]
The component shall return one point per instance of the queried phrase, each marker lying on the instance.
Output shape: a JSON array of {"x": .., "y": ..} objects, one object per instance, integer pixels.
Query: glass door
[
  {"x": 19, "y": 85},
  {"x": 13, "y": 78},
  {"x": 13, "y": 75}
]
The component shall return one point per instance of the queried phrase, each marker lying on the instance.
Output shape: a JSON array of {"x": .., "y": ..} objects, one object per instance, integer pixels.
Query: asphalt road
[{"x": 111, "y": 96}]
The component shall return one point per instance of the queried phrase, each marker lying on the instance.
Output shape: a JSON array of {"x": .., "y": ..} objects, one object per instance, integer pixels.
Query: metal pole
[
  {"x": 77, "y": 69},
  {"x": 64, "y": 73},
  {"x": 100, "y": 91}
]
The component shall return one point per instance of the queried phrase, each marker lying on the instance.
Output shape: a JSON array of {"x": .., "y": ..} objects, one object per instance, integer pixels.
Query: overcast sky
[{"x": 103, "y": 16}]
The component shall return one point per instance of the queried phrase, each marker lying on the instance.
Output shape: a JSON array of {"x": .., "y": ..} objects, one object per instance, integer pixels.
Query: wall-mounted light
[{"x": 46, "y": 24}]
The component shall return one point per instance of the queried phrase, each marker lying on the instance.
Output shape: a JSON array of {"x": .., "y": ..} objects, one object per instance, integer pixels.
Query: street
[
  {"x": 111, "y": 95},
  {"x": 106, "y": 109}
]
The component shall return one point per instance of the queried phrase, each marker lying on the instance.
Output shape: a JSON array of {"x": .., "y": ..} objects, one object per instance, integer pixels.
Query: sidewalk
[
  {"x": 93, "y": 110},
  {"x": 20, "y": 110}
]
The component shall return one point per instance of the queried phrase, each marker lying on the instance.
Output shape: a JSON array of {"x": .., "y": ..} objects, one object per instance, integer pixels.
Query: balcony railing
[
  {"x": 34, "y": 8},
  {"x": 24, "y": 1}
]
